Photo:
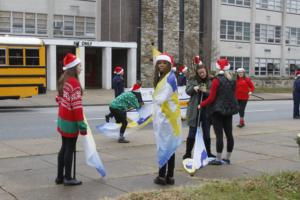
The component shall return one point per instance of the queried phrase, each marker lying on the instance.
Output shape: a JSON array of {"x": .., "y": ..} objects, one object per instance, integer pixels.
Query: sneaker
[
  {"x": 226, "y": 161},
  {"x": 72, "y": 182},
  {"x": 215, "y": 162},
  {"x": 160, "y": 181},
  {"x": 123, "y": 140},
  {"x": 59, "y": 181},
  {"x": 107, "y": 118},
  {"x": 170, "y": 180}
]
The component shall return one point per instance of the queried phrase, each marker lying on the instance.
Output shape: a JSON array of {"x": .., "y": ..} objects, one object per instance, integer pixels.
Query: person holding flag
[
  {"x": 222, "y": 106},
  {"x": 166, "y": 118},
  {"x": 197, "y": 89},
  {"x": 121, "y": 104},
  {"x": 70, "y": 120}
]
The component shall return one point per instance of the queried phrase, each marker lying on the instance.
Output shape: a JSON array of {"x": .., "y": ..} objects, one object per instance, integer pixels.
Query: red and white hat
[
  {"x": 241, "y": 69},
  {"x": 197, "y": 60},
  {"x": 118, "y": 70},
  {"x": 297, "y": 73},
  {"x": 182, "y": 69},
  {"x": 70, "y": 60},
  {"x": 136, "y": 88},
  {"x": 164, "y": 57},
  {"x": 222, "y": 64}
]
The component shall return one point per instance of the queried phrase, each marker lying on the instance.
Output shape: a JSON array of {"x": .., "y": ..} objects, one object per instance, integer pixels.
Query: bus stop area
[{"x": 28, "y": 166}]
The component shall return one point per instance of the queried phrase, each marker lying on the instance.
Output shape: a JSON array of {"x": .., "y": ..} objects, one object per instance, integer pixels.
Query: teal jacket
[{"x": 125, "y": 102}]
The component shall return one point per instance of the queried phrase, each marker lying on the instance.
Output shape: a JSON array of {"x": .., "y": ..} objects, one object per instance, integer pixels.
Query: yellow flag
[{"x": 155, "y": 53}]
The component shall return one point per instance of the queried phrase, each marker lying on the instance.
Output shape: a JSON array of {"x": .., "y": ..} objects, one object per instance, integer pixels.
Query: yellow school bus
[{"x": 22, "y": 67}]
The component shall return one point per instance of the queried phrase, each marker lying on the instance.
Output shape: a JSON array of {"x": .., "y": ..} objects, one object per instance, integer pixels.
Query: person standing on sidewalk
[
  {"x": 296, "y": 95},
  {"x": 70, "y": 117},
  {"x": 222, "y": 106},
  {"x": 182, "y": 75},
  {"x": 118, "y": 85},
  {"x": 196, "y": 88},
  {"x": 244, "y": 88},
  {"x": 121, "y": 104},
  {"x": 166, "y": 118}
]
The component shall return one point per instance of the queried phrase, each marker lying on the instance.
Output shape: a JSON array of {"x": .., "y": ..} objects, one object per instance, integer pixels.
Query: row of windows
[
  {"x": 240, "y": 31},
  {"x": 264, "y": 66},
  {"x": 16, "y": 56},
  {"x": 233, "y": 30},
  {"x": 36, "y": 23},
  {"x": 292, "y": 6}
]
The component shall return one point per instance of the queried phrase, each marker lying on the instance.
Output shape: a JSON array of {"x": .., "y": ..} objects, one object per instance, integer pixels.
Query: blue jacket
[{"x": 118, "y": 84}]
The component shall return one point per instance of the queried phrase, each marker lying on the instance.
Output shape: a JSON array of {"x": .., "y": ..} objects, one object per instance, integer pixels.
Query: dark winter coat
[{"x": 118, "y": 84}]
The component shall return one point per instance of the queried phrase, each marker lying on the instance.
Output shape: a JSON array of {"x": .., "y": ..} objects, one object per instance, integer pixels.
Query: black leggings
[
  {"x": 170, "y": 165},
  {"x": 65, "y": 157},
  {"x": 242, "y": 107},
  {"x": 120, "y": 117},
  {"x": 221, "y": 122}
]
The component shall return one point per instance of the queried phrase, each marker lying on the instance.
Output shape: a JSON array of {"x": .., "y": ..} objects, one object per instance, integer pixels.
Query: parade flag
[
  {"x": 91, "y": 155},
  {"x": 200, "y": 155},
  {"x": 155, "y": 53},
  {"x": 166, "y": 118}
]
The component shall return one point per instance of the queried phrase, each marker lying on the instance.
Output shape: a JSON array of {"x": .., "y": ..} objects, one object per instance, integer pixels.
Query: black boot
[{"x": 189, "y": 147}]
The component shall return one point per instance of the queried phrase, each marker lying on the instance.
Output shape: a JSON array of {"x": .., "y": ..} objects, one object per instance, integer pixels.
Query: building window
[
  {"x": 79, "y": 26},
  {"x": 267, "y": 33},
  {"x": 237, "y": 2},
  {"x": 17, "y": 20},
  {"x": 232, "y": 30},
  {"x": 267, "y": 67},
  {"x": 2, "y": 57},
  {"x": 90, "y": 26},
  {"x": 292, "y": 36},
  {"x": 30, "y": 23},
  {"x": 238, "y": 62},
  {"x": 291, "y": 66},
  {"x": 4, "y": 22},
  {"x": 74, "y": 26},
  {"x": 269, "y": 4},
  {"x": 293, "y": 6},
  {"x": 41, "y": 23}
]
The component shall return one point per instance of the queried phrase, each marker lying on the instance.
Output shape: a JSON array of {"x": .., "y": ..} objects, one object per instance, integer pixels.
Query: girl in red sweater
[
  {"x": 244, "y": 88},
  {"x": 70, "y": 120}
]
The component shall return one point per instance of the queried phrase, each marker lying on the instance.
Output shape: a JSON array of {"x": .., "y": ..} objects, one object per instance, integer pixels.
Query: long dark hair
[
  {"x": 158, "y": 76},
  {"x": 197, "y": 77},
  {"x": 72, "y": 72}
]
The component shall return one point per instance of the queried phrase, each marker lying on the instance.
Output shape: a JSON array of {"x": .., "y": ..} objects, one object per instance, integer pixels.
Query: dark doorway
[
  {"x": 119, "y": 57},
  {"x": 93, "y": 66},
  {"x": 61, "y": 51}
]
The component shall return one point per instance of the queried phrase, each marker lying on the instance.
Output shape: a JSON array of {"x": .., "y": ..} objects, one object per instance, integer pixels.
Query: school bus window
[
  {"x": 15, "y": 56},
  {"x": 2, "y": 57},
  {"x": 32, "y": 57}
]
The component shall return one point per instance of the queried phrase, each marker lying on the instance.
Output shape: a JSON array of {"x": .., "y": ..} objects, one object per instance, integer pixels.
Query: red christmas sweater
[
  {"x": 70, "y": 115},
  {"x": 243, "y": 87}
]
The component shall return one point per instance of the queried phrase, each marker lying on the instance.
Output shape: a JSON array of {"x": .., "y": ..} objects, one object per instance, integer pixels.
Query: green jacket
[{"x": 125, "y": 102}]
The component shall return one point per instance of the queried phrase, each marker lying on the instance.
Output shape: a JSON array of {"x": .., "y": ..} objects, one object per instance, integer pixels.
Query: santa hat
[
  {"x": 118, "y": 70},
  {"x": 70, "y": 60},
  {"x": 241, "y": 69},
  {"x": 164, "y": 57},
  {"x": 297, "y": 73},
  {"x": 182, "y": 69},
  {"x": 222, "y": 64},
  {"x": 197, "y": 60},
  {"x": 136, "y": 88}
]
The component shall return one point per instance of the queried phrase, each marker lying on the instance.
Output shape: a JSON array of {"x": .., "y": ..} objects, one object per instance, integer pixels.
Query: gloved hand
[
  {"x": 250, "y": 93},
  {"x": 196, "y": 88},
  {"x": 83, "y": 132}
]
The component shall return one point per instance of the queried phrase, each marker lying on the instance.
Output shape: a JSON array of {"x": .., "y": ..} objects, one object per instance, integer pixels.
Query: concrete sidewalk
[
  {"x": 103, "y": 97},
  {"x": 28, "y": 167}
]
